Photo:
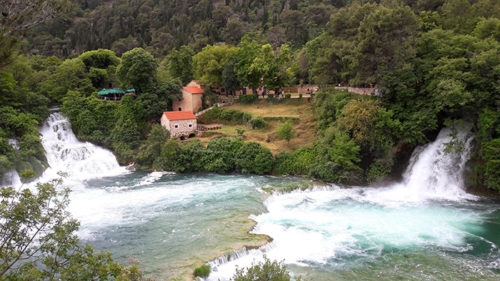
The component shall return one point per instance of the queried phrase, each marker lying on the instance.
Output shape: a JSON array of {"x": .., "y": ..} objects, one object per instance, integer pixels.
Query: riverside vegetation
[
  {"x": 435, "y": 62},
  {"x": 436, "y": 66}
]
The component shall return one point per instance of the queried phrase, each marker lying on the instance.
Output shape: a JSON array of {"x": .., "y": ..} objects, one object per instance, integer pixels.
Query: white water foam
[
  {"x": 153, "y": 177},
  {"x": 341, "y": 227},
  {"x": 98, "y": 208},
  {"x": 11, "y": 178},
  {"x": 79, "y": 160}
]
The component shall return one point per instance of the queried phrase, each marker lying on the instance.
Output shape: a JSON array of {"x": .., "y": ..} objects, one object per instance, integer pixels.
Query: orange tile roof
[
  {"x": 193, "y": 90},
  {"x": 179, "y": 115}
]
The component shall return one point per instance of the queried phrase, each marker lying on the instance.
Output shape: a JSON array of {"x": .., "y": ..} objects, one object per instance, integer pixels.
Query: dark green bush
[
  {"x": 272, "y": 99},
  {"x": 378, "y": 170},
  {"x": 254, "y": 158},
  {"x": 216, "y": 115},
  {"x": 248, "y": 99},
  {"x": 220, "y": 155},
  {"x": 240, "y": 131},
  {"x": 258, "y": 123},
  {"x": 288, "y": 96},
  {"x": 202, "y": 271}
]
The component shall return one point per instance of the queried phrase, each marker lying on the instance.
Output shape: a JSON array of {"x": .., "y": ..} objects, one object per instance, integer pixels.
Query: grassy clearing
[{"x": 305, "y": 125}]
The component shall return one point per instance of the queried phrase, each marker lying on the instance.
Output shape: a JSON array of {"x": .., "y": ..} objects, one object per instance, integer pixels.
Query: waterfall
[
  {"x": 77, "y": 160},
  {"x": 11, "y": 178},
  {"x": 347, "y": 227},
  {"x": 437, "y": 169}
]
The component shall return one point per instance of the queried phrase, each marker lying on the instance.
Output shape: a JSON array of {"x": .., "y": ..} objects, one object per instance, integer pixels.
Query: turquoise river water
[{"x": 423, "y": 228}]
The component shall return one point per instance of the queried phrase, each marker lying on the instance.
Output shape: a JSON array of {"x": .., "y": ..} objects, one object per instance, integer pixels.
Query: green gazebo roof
[{"x": 104, "y": 92}]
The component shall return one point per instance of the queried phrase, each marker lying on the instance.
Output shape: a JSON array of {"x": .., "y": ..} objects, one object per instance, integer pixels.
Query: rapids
[{"x": 423, "y": 228}]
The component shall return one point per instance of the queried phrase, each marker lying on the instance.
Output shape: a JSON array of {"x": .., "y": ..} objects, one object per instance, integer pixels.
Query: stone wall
[
  {"x": 190, "y": 102},
  {"x": 182, "y": 129}
]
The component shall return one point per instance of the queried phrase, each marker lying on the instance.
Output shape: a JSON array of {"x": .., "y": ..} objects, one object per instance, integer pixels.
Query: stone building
[
  {"x": 181, "y": 124},
  {"x": 192, "y": 96}
]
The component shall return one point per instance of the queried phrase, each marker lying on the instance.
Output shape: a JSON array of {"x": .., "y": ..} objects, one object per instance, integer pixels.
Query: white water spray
[
  {"x": 66, "y": 154},
  {"x": 340, "y": 228},
  {"x": 11, "y": 178}
]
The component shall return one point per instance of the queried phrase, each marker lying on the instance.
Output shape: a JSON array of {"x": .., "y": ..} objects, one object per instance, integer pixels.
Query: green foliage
[
  {"x": 258, "y": 123},
  {"x": 209, "y": 64},
  {"x": 137, "y": 70},
  {"x": 378, "y": 170},
  {"x": 101, "y": 59},
  {"x": 285, "y": 131},
  {"x": 98, "y": 77},
  {"x": 221, "y": 154},
  {"x": 491, "y": 152},
  {"x": 71, "y": 75},
  {"x": 328, "y": 105},
  {"x": 264, "y": 271},
  {"x": 240, "y": 131},
  {"x": 297, "y": 162},
  {"x": 336, "y": 159},
  {"x": 288, "y": 96},
  {"x": 35, "y": 223},
  {"x": 369, "y": 125},
  {"x": 272, "y": 67},
  {"x": 221, "y": 115},
  {"x": 230, "y": 80},
  {"x": 180, "y": 64},
  {"x": 248, "y": 98},
  {"x": 254, "y": 158},
  {"x": 23, "y": 128},
  {"x": 150, "y": 151},
  {"x": 202, "y": 271}
]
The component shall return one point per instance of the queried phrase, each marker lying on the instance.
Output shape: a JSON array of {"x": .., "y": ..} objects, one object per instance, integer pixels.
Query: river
[{"x": 424, "y": 228}]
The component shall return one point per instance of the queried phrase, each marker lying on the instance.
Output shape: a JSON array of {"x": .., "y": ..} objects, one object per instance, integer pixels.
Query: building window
[
  {"x": 176, "y": 126},
  {"x": 180, "y": 108},
  {"x": 190, "y": 125}
]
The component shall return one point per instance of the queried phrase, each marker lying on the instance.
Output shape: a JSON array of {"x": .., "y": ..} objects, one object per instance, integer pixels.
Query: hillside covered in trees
[
  {"x": 162, "y": 25},
  {"x": 435, "y": 61}
]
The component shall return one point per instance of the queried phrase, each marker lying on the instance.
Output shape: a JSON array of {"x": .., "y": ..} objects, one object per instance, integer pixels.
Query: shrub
[
  {"x": 248, "y": 99},
  {"x": 202, "y": 271},
  {"x": 264, "y": 271},
  {"x": 254, "y": 158},
  {"x": 220, "y": 155},
  {"x": 285, "y": 131},
  {"x": 272, "y": 99},
  {"x": 219, "y": 115},
  {"x": 240, "y": 131},
  {"x": 378, "y": 170},
  {"x": 258, "y": 123},
  {"x": 288, "y": 96},
  {"x": 300, "y": 96}
]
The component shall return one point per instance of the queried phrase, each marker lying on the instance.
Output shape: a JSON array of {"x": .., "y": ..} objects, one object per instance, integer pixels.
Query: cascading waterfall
[
  {"x": 435, "y": 171},
  {"x": 66, "y": 154},
  {"x": 11, "y": 178},
  {"x": 345, "y": 228},
  {"x": 426, "y": 225}
]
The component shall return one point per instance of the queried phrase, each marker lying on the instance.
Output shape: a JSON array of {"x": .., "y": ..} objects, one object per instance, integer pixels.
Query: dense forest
[{"x": 436, "y": 62}]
